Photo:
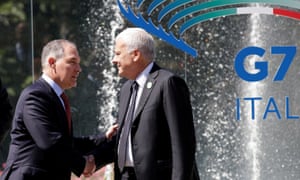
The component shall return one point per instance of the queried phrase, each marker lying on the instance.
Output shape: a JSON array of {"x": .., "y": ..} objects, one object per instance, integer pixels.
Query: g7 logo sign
[
  {"x": 262, "y": 66},
  {"x": 186, "y": 14}
]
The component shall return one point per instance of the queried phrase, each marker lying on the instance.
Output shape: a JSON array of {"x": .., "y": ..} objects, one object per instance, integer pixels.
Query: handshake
[{"x": 90, "y": 164}]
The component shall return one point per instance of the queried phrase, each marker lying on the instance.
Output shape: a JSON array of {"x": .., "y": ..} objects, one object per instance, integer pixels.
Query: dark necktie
[
  {"x": 67, "y": 109},
  {"x": 123, "y": 143}
]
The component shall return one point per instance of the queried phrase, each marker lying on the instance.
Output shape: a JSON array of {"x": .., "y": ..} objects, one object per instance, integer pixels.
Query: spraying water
[
  {"x": 249, "y": 149},
  {"x": 101, "y": 25}
]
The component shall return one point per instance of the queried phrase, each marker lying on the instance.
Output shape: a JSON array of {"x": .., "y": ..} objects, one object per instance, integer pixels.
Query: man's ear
[
  {"x": 51, "y": 62},
  {"x": 137, "y": 55}
]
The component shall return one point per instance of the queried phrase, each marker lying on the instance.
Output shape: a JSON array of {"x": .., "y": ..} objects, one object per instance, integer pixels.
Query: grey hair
[
  {"x": 137, "y": 38},
  {"x": 54, "y": 48}
]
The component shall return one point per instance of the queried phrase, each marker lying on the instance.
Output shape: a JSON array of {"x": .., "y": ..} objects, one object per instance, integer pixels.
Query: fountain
[
  {"x": 244, "y": 130},
  {"x": 228, "y": 147}
]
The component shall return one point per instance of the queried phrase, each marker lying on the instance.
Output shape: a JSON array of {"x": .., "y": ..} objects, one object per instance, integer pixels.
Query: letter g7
[{"x": 262, "y": 66}]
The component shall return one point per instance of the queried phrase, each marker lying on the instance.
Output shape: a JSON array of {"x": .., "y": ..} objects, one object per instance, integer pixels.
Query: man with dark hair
[{"x": 42, "y": 143}]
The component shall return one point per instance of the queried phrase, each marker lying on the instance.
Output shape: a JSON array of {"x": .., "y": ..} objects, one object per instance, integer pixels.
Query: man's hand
[
  {"x": 111, "y": 131},
  {"x": 90, "y": 166}
]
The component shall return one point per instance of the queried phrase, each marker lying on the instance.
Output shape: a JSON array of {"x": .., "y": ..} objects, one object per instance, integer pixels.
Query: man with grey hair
[
  {"x": 156, "y": 138},
  {"x": 42, "y": 143}
]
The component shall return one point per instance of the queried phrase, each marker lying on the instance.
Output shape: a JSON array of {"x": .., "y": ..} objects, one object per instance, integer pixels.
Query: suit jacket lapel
[
  {"x": 150, "y": 83},
  {"x": 124, "y": 102},
  {"x": 55, "y": 97},
  {"x": 58, "y": 104}
]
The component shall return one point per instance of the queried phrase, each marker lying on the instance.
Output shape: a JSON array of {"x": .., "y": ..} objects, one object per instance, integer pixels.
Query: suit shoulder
[
  {"x": 126, "y": 84},
  {"x": 166, "y": 72},
  {"x": 167, "y": 75},
  {"x": 38, "y": 88}
]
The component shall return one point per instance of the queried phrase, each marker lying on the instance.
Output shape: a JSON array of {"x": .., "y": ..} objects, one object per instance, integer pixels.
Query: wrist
[
  {"x": 90, "y": 166},
  {"x": 90, "y": 158}
]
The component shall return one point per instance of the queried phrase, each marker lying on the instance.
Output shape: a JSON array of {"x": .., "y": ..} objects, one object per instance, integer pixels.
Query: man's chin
[
  {"x": 74, "y": 85},
  {"x": 71, "y": 86}
]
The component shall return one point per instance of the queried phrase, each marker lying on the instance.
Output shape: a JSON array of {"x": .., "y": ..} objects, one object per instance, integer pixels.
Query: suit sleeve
[
  {"x": 85, "y": 144},
  {"x": 5, "y": 113},
  {"x": 179, "y": 116},
  {"x": 82, "y": 146},
  {"x": 104, "y": 153},
  {"x": 45, "y": 124},
  {"x": 42, "y": 122}
]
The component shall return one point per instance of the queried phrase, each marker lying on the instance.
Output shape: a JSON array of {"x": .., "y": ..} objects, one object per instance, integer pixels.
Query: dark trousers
[{"x": 128, "y": 174}]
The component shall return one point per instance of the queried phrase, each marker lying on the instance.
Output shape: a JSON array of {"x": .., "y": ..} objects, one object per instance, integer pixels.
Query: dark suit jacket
[
  {"x": 163, "y": 138},
  {"x": 5, "y": 113},
  {"x": 41, "y": 146}
]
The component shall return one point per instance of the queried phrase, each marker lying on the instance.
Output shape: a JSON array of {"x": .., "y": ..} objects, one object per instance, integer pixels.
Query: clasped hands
[{"x": 90, "y": 165}]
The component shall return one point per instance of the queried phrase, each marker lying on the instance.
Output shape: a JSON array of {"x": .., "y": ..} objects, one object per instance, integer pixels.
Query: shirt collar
[
  {"x": 58, "y": 90},
  {"x": 143, "y": 76}
]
